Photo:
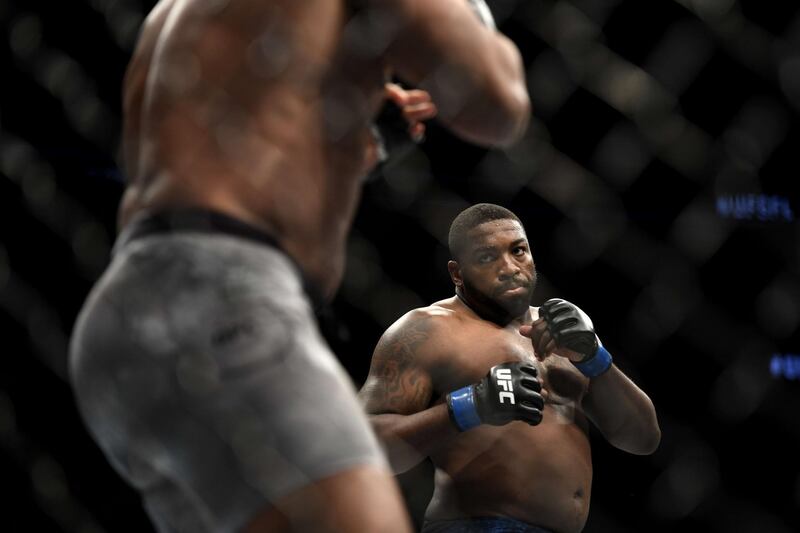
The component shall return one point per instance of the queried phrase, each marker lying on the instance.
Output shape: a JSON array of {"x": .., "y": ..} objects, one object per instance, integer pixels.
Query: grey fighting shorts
[{"x": 200, "y": 372}]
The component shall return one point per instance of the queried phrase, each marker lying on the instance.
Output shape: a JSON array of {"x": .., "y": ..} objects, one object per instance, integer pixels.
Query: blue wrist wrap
[
  {"x": 461, "y": 404},
  {"x": 596, "y": 364}
]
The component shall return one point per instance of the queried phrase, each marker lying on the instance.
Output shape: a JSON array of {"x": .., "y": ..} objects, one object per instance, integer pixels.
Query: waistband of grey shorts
[{"x": 200, "y": 220}]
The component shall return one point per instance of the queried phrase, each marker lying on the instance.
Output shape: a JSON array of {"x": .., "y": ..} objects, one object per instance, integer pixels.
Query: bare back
[
  {"x": 538, "y": 474},
  {"x": 259, "y": 112}
]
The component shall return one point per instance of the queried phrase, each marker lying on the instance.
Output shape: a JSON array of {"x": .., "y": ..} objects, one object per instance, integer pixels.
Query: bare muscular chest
[{"x": 475, "y": 353}]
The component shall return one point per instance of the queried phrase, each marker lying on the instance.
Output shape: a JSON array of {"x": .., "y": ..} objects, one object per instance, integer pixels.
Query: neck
[{"x": 493, "y": 312}]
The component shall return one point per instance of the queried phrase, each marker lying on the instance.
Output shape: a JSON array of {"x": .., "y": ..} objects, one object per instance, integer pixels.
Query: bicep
[
  {"x": 436, "y": 33},
  {"x": 398, "y": 381},
  {"x": 422, "y": 39}
]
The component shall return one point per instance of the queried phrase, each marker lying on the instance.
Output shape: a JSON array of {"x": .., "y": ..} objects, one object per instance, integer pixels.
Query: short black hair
[{"x": 471, "y": 217}]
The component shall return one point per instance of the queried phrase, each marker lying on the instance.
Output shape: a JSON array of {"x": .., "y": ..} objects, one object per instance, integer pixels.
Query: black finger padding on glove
[
  {"x": 569, "y": 326},
  {"x": 393, "y": 128},
  {"x": 390, "y": 129},
  {"x": 510, "y": 391}
]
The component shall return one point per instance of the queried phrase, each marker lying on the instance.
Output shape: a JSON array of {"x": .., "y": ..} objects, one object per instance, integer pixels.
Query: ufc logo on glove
[
  {"x": 504, "y": 381},
  {"x": 493, "y": 400}
]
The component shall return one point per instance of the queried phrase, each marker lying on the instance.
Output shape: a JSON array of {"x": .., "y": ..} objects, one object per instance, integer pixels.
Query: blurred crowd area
[{"x": 658, "y": 183}]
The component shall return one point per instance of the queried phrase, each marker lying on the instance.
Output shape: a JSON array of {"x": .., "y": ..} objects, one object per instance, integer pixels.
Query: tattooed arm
[{"x": 398, "y": 391}]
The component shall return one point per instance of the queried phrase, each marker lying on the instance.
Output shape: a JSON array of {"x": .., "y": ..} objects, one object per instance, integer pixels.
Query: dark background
[{"x": 649, "y": 116}]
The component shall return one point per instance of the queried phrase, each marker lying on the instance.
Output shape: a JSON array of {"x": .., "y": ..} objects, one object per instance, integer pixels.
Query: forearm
[
  {"x": 474, "y": 74},
  {"x": 622, "y": 412},
  {"x": 507, "y": 119},
  {"x": 409, "y": 439},
  {"x": 496, "y": 110}
]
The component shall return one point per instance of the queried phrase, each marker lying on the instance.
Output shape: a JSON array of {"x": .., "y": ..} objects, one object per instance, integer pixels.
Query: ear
[{"x": 455, "y": 273}]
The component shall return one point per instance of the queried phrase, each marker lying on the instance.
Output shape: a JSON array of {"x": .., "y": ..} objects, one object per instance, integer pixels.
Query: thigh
[
  {"x": 364, "y": 498},
  {"x": 202, "y": 375}
]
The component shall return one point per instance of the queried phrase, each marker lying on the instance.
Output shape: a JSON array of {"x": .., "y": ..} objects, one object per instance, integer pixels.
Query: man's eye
[
  {"x": 485, "y": 259},
  {"x": 519, "y": 250}
]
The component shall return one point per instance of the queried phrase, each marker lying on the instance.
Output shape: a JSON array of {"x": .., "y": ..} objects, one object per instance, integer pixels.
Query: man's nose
[{"x": 509, "y": 267}]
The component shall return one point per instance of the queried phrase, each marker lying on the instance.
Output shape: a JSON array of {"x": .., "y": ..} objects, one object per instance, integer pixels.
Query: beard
[{"x": 498, "y": 306}]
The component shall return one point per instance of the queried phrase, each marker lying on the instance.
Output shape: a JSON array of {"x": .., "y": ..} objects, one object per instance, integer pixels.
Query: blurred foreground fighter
[
  {"x": 499, "y": 394},
  {"x": 196, "y": 361}
]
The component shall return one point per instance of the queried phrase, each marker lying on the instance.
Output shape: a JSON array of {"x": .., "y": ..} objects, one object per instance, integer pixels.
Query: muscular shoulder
[
  {"x": 422, "y": 332},
  {"x": 399, "y": 379}
]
